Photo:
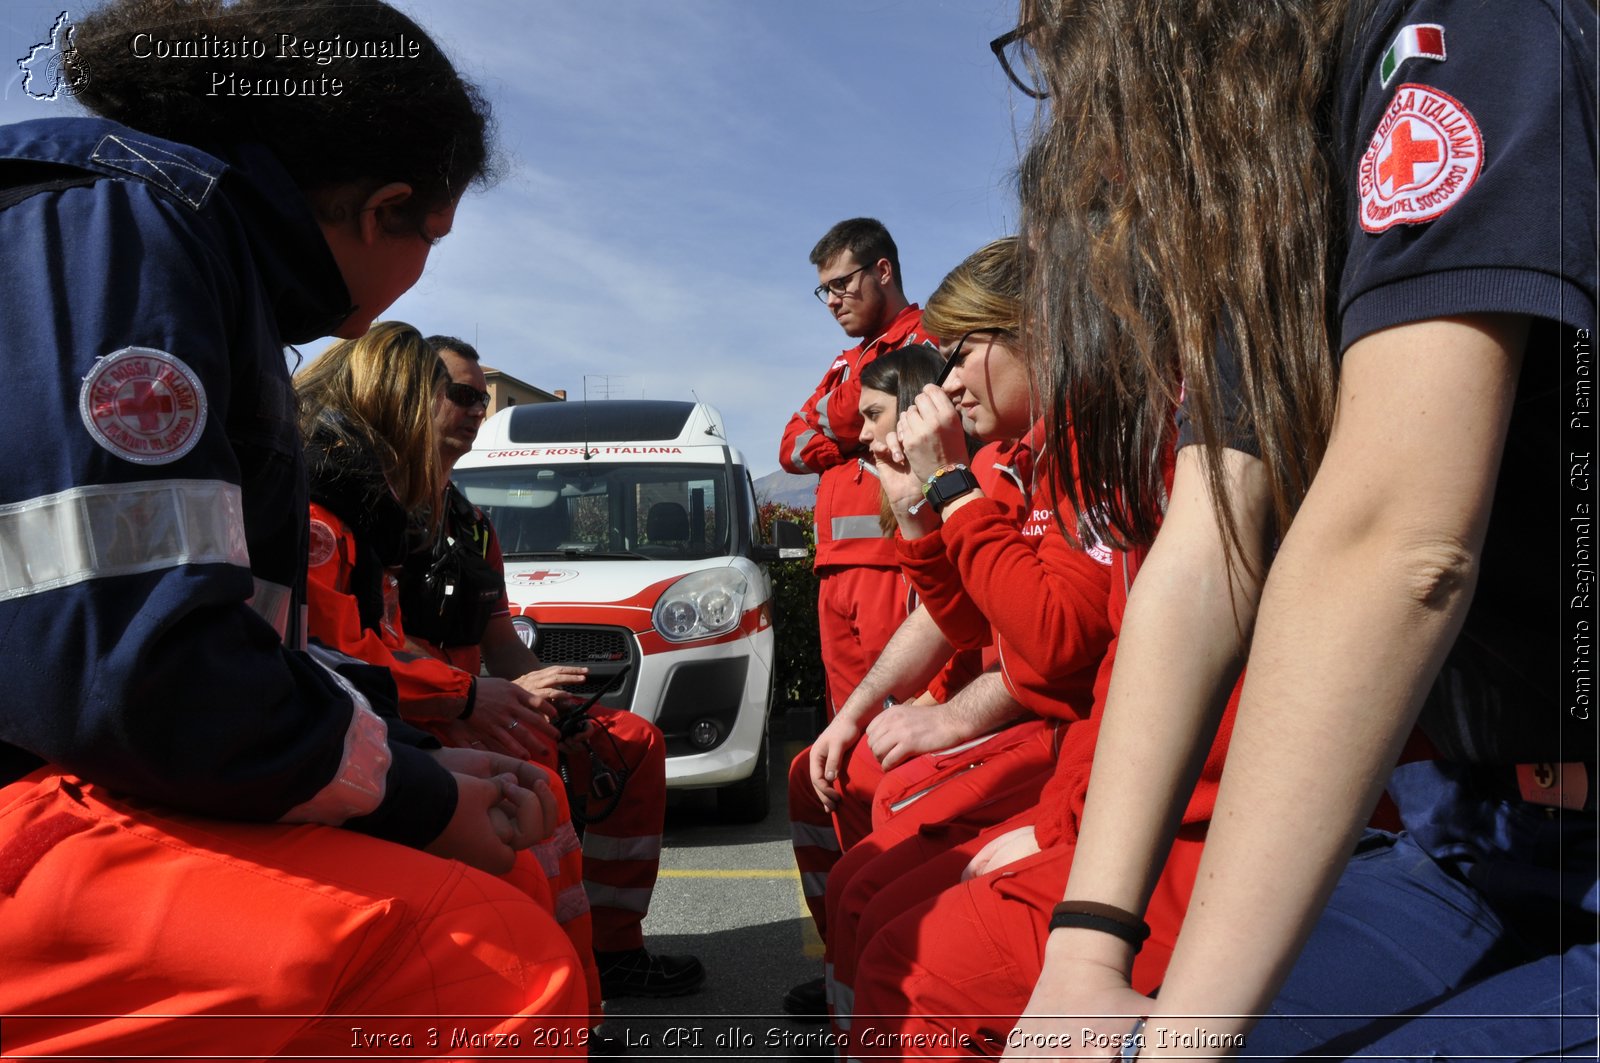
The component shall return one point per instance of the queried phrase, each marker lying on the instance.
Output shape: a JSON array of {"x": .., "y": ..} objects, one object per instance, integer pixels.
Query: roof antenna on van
[
  {"x": 587, "y": 453},
  {"x": 715, "y": 429}
]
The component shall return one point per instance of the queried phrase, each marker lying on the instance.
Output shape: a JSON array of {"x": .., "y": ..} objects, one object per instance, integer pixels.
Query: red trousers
[
  {"x": 622, "y": 852},
  {"x": 943, "y": 956},
  {"x": 858, "y": 609},
  {"x": 129, "y": 930},
  {"x": 820, "y": 836},
  {"x": 927, "y": 807},
  {"x": 603, "y": 894},
  {"x": 558, "y": 862}
]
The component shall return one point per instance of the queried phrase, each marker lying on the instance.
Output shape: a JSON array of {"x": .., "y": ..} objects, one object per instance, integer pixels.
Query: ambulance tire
[{"x": 749, "y": 800}]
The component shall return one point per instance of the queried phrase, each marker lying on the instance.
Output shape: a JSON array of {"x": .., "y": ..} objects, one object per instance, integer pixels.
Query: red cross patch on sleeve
[
  {"x": 1424, "y": 155},
  {"x": 143, "y": 405}
]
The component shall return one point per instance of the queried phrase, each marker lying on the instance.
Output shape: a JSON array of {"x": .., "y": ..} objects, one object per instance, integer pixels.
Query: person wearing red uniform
[
  {"x": 366, "y": 414},
  {"x": 861, "y": 599},
  {"x": 199, "y": 819},
  {"x": 981, "y": 565},
  {"x": 820, "y": 831},
  {"x": 621, "y": 837},
  {"x": 1433, "y": 237}
]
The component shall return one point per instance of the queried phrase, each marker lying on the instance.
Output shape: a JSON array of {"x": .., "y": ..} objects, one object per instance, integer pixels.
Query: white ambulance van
[{"x": 630, "y": 540}]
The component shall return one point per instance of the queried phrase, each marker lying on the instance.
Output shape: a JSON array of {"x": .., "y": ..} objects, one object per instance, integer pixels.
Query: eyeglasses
[
  {"x": 958, "y": 356},
  {"x": 466, "y": 396},
  {"x": 1014, "y": 53},
  {"x": 837, "y": 286}
]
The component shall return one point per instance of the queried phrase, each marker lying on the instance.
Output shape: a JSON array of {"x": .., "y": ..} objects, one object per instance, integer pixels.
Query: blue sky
[{"x": 669, "y": 164}]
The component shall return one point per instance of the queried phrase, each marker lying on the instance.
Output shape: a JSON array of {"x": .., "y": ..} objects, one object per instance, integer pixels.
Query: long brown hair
[
  {"x": 381, "y": 389},
  {"x": 1177, "y": 193}
]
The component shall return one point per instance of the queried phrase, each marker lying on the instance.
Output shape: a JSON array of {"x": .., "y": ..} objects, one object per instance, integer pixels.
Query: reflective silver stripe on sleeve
[
  {"x": 603, "y": 896},
  {"x": 796, "y": 457},
  {"x": 105, "y": 530},
  {"x": 822, "y": 419},
  {"x": 272, "y": 601},
  {"x": 604, "y": 847},
  {"x": 856, "y": 528},
  {"x": 358, "y": 786},
  {"x": 814, "y": 883},
  {"x": 566, "y": 839},
  {"x": 549, "y": 859}
]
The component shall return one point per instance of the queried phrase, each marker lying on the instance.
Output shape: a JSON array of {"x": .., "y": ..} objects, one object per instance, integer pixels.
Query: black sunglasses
[
  {"x": 958, "y": 356},
  {"x": 466, "y": 396}
]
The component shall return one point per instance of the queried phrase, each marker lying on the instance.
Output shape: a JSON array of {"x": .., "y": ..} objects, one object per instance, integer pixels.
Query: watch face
[{"x": 949, "y": 486}]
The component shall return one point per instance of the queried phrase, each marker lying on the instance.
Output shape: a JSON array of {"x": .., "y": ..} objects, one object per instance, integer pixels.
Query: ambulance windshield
[{"x": 605, "y": 510}]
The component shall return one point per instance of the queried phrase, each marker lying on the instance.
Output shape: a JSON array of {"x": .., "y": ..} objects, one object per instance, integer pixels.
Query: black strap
[{"x": 24, "y": 180}]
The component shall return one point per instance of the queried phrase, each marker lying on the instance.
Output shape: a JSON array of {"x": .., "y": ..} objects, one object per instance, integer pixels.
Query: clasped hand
[{"x": 503, "y": 805}]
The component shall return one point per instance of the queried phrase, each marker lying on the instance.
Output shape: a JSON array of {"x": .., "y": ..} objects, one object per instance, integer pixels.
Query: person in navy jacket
[{"x": 163, "y": 721}]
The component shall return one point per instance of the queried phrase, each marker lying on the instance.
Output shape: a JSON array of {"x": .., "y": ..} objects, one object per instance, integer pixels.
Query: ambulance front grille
[{"x": 602, "y": 650}]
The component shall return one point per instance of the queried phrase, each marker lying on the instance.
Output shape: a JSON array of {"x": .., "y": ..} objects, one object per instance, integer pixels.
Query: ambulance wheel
[{"x": 749, "y": 800}]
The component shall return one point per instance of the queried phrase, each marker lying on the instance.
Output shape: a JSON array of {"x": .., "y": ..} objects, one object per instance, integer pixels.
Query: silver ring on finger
[{"x": 512, "y": 726}]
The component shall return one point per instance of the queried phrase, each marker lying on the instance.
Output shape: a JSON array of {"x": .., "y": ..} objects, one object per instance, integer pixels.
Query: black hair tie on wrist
[
  {"x": 472, "y": 698},
  {"x": 1106, "y": 918}
]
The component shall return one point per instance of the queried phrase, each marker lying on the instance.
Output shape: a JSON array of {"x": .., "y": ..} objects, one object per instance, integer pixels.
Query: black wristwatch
[{"x": 949, "y": 484}]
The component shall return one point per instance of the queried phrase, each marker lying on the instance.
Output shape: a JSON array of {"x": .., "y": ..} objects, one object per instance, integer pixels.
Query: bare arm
[
  {"x": 1363, "y": 600},
  {"x": 1184, "y": 590},
  {"x": 1367, "y": 594},
  {"x": 908, "y": 663},
  {"x": 503, "y": 652},
  {"x": 1182, "y": 643}
]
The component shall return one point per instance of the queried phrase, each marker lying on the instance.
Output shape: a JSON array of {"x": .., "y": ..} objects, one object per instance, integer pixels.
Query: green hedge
[{"x": 798, "y": 646}]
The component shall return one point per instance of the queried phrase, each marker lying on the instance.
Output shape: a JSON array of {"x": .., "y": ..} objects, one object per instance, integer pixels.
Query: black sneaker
[
  {"x": 808, "y": 1000},
  {"x": 638, "y": 973}
]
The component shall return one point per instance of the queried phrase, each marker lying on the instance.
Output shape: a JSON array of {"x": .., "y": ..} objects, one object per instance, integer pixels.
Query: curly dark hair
[{"x": 404, "y": 118}]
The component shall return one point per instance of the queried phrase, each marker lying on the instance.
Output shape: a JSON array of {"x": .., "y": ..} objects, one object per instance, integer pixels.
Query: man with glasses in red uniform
[{"x": 861, "y": 598}]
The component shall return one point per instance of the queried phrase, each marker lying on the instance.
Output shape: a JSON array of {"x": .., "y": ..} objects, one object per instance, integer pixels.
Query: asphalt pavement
[{"x": 730, "y": 895}]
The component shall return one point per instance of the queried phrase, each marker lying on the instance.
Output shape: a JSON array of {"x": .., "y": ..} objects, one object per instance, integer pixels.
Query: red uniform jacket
[
  {"x": 1045, "y": 598},
  {"x": 822, "y": 438},
  {"x": 334, "y": 618}
]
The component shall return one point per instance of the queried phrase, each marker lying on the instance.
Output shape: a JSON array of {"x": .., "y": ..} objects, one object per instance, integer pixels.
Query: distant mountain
[{"x": 787, "y": 488}]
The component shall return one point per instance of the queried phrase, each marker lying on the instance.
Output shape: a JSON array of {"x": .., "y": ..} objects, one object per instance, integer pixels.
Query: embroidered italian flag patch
[{"x": 1422, "y": 41}]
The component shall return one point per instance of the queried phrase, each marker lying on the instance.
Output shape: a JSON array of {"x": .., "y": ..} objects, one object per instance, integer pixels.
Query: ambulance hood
[{"x": 554, "y": 581}]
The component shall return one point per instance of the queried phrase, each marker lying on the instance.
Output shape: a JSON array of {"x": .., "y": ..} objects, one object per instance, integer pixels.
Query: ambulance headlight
[{"x": 701, "y": 605}]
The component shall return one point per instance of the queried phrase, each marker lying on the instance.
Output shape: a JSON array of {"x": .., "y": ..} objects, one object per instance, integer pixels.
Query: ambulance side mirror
[{"x": 788, "y": 543}]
